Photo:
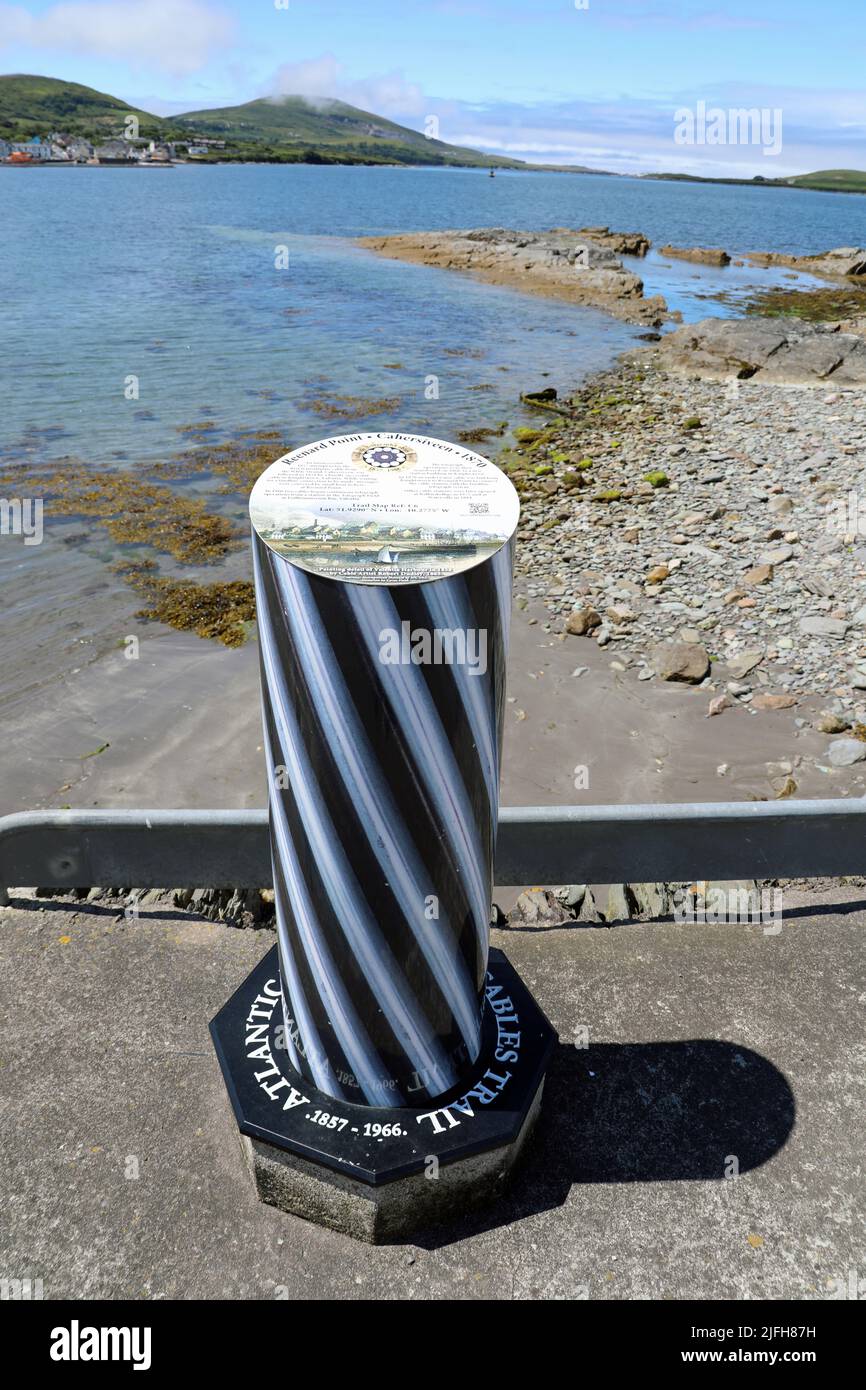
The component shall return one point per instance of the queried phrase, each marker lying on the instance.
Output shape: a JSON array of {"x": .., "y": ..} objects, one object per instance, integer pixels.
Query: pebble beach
[{"x": 660, "y": 512}]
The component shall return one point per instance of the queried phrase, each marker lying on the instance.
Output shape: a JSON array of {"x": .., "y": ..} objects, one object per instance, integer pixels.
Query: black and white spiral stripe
[{"x": 384, "y": 800}]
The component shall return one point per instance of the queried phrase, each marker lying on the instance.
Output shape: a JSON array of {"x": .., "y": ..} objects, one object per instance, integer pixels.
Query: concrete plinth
[
  {"x": 382, "y": 1172},
  {"x": 391, "y": 1211}
]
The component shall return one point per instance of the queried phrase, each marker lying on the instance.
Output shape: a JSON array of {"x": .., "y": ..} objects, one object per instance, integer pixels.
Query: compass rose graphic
[{"x": 383, "y": 457}]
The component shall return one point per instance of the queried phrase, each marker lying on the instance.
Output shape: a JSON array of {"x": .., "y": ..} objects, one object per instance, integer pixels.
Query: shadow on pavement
[{"x": 699, "y": 1110}]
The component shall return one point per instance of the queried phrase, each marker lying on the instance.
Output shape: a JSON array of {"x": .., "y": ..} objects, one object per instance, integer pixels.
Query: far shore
[
  {"x": 483, "y": 169},
  {"x": 97, "y": 164}
]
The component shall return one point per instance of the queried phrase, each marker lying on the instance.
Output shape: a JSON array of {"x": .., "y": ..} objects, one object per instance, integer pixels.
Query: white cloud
[
  {"x": 317, "y": 79},
  {"x": 821, "y": 129},
  {"x": 177, "y": 36}
]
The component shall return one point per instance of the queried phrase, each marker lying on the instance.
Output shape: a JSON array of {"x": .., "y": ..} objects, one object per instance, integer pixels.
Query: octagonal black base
[{"x": 369, "y": 1144}]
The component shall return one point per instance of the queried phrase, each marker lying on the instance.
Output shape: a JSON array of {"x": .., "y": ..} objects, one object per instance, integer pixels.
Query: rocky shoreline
[
  {"x": 691, "y": 614},
  {"x": 580, "y": 266},
  {"x": 790, "y": 351},
  {"x": 692, "y": 508},
  {"x": 584, "y": 266},
  {"x": 705, "y": 536},
  {"x": 682, "y": 539}
]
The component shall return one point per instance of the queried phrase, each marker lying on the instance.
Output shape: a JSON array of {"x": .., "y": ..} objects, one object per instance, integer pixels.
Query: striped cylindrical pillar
[{"x": 383, "y": 708}]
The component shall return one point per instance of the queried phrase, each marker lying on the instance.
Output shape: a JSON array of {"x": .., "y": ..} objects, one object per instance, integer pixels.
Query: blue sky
[{"x": 548, "y": 81}]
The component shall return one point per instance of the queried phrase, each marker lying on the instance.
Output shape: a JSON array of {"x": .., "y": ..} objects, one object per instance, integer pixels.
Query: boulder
[
  {"x": 571, "y": 894},
  {"x": 653, "y": 899},
  {"x": 619, "y": 613},
  {"x": 780, "y": 505},
  {"x": 759, "y": 574},
  {"x": 838, "y": 263},
  {"x": 770, "y": 701},
  {"x": 844, "y": 752},
  {"x": 588, "y": 911},
  {"x": 739, "y": 666},
  {"x": 765, "y": 349},
  {"x": 681, "y": 661},
  {"x": 582, "y": 621},
  {"x": 701, "y": 255},
  {"x": 658, "y": 574},
  {"x": 542, "y": 398},
  {"x": 623, "y": 243},
  {"x": 778, "y": 556},
  {"x": 832, "y": 724},
  {"x": 620, "y": 903},
  {"x": 539, "y": 908},
  {"x": 817, "y": 626}
]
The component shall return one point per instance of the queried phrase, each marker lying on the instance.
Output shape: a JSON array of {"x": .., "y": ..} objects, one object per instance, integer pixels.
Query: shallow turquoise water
[{"x": 169, "y": 276}]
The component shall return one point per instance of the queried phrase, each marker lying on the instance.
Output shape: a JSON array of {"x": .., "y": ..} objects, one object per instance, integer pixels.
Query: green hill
[
  {"x": 832, "y": 180},
  {"x": 824, "y": 181},
  {"x": 288, "y": 128},
  {"x": 38, "y": 105},
  {"x": 330, "y": 128}
]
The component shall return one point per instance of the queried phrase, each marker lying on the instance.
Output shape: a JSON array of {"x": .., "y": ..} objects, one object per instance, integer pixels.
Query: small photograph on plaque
[{"x": 384, "y": 508}]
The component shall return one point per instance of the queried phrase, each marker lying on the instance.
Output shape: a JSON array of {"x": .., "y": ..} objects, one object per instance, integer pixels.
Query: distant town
[
  {"x": 337, "y": 532},
  {"x": 60, "y": 148}
]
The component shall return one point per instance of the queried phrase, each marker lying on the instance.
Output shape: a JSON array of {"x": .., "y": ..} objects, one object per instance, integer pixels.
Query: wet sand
[{"x": 182, "y": 729}]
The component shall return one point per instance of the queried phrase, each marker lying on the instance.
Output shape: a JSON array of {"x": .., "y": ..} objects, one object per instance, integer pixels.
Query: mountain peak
[{"x": 275, "y": 128}]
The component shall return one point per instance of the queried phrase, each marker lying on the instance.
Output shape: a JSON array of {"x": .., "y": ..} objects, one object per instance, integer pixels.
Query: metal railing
[{"x": 536, "y": 845}]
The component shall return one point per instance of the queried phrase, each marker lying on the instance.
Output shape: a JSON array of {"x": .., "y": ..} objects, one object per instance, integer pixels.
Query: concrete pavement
[{"x": 707, "y": 1141}]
